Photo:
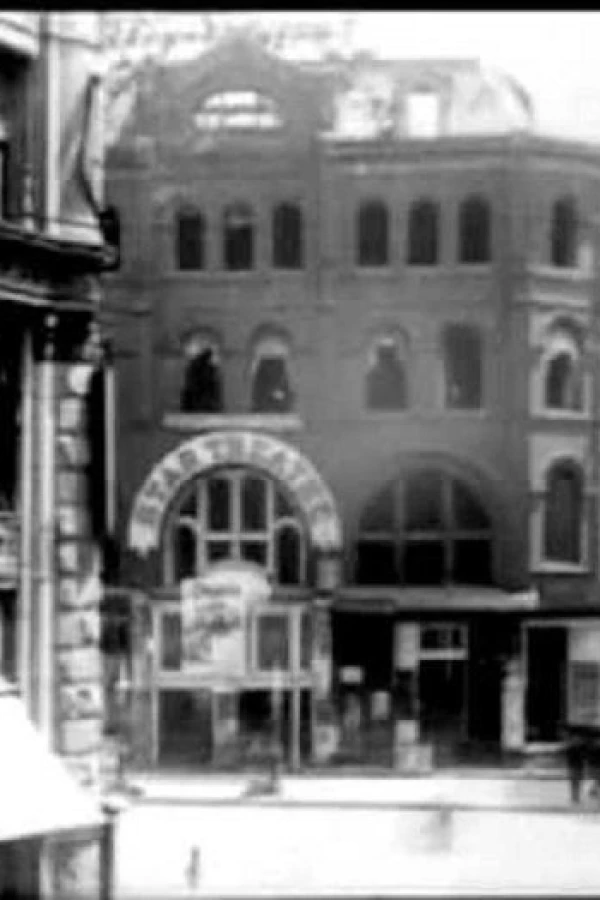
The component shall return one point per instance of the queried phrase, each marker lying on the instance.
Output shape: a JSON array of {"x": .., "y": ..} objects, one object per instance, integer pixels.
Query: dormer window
[
  {"x": 423, "y": 113},
  {"x": 238, "y": 111}
]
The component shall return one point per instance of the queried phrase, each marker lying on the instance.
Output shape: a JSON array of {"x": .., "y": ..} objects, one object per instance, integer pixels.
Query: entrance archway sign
[{"x": 234, "y": 448}]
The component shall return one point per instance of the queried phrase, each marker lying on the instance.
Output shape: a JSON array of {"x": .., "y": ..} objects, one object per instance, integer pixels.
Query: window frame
[
  {"x": 245, "y": 210},
  {"x": 363, "y": 259},
  {"x": 473, "y": 330},
  {"x": 418, "y": 207},
  {"x": 286, "y": 207},
  {"x": 470, "y": 209},
  {"x": 574, "y": 468},
  {"x": 564, "y": 251},
  {"x": 191, "y": 213}
]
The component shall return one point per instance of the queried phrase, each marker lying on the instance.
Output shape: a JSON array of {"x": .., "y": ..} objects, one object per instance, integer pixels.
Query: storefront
[{"x": 226, "y": 659}]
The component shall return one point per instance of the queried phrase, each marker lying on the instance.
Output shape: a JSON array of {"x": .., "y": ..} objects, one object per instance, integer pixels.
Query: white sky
[{"x": 555, "y": 55}]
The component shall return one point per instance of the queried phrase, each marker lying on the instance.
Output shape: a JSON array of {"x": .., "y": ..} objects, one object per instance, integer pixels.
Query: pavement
[{"x": 187, "y": 836}]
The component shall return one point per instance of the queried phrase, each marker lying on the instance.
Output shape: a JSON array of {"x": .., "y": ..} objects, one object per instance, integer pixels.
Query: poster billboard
[{"x": 214, "y": 618}]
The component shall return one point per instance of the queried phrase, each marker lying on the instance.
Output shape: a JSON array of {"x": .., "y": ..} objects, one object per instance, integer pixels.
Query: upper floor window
[
  {"x": 474, "y": 228},
  {"x": 238, "y": 237},
  {"x": 423, "y": 231},
  {"x": 386, "y": 377},
  {"x": 426, "y": 528},
  {"x": 564, "y": 233},
  {"x": 190, "y": 239},
  {"x": 202, "y": 385},
  {"x": 563, "y": 521},
  {"x": 288, "y": 237},
  {"x": 423, "y": 113},
  {"x": 271, "y": 388},
  {"x": 236, "y": 514},
  {"x": 239, "y": 111},
  {"x": 462, "y": 360},
  {"x": 372, "y": 247}
]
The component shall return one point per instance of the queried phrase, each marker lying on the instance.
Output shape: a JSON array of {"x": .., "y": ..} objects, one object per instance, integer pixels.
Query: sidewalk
[{"x": 495, "y": 791}]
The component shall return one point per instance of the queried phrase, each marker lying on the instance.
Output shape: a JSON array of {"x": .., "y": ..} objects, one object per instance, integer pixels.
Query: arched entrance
[{"x": 220, "y": 513}]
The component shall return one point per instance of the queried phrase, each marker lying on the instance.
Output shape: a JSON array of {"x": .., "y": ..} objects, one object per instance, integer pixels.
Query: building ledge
[
  {"x": 189, "y": 423},
  {"x": 31, "y": 249}
]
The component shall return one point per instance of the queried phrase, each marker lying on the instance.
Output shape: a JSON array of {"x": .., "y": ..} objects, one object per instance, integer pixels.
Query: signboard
[
  {"x": 214, "y": 610},
  {"x": 240, "y": 448}
]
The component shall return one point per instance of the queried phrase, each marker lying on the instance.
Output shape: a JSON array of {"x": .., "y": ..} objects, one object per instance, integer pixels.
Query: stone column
[
  {"x": 325, "y": 731},
  {"x": 78, "y": 670}
]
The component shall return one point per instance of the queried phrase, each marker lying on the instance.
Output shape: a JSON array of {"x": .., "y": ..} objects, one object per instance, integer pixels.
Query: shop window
[
  {"x": 563, "y": 521},
  {"x": 271, "y": 388},
  {"x": 425, "y": 529},
  {"x": 273, "y": 642},
  {"x": 563, "y": 236},
  {"x": 474, "y": 225},
  {"x": 584, "y": 692},
  {"x": 462, "y": 360},
  {"x": 372, "y": 247},
  {"x": 423, "y": 234},
  {"x": 563, "y": 382},
  {"x": 190, "y": 236},
  {"x": 235, "y": 514},
  {"x": 386, "y": 378},
  {"x": 288, "y": 237},
  {"x": 202, "y": 388},
  {"x": 238, "y": 238}
]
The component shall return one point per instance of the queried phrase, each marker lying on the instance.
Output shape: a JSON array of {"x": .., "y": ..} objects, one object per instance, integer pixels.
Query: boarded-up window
[{"x": 462, "y": 360}]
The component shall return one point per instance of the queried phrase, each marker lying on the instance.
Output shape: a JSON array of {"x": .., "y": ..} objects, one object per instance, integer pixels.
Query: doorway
[
  {"x": 546, "y": 682},
  {"x": 443, "y": 703}
]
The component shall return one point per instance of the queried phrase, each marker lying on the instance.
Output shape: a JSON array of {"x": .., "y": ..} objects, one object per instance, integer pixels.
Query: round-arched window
[{"x": 236, "y": 514}]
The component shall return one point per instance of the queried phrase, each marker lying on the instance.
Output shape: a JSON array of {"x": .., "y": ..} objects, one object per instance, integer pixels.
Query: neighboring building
[
  {"x": 355, "y": 335},
  {"x": 51, "y": 255}
]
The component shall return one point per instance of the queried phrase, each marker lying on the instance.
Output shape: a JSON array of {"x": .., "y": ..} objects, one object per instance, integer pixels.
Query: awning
[
  {"x": 38, "y": 795},
  {"x": 393, "y": 601}
]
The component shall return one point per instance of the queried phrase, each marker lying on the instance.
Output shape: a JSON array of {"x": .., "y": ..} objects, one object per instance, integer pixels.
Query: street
[{"x": 356, "y": 836}]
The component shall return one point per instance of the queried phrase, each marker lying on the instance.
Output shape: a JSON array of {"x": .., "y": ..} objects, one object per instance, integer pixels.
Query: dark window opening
[
  {"x": 564, "y": 388},
  {"x": 373, "y": 235},
  {"x": 564, "y": 234},
  {"x": 424, "y": 502},
  {"x": 190, "y": 240},
  {"x": 10, "y": 403},
  {"x": 202, "y": 388},
  {"x": 271, "y": 389},
  {"x": 377, "y": 562},
  {"x": 564, "y": 515},
  {"x": 425, "y": 563},
  {"x": 288, "y": 556},
  {"x": 423, "y": 234},
  {"x": 288, "y": 237},
  {"x": 462, "y": 367},
  {"x": 386, "y": 380},
  {"x": 238, "y": 238},
  {"x": 474, "y": 231}
]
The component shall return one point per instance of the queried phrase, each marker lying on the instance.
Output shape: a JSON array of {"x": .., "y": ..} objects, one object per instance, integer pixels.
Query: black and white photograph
[{"x": 299, "y": 454}]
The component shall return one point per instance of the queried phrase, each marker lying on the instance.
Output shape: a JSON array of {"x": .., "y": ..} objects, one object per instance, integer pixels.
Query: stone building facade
[
  {"x": 53, "y": 253},
  {"x": 355, "y": 331}
]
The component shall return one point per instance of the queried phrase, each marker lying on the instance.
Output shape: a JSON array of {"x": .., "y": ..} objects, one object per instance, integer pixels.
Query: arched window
[
  {"x": 563, "y": 382},
  {"x": 271, "y": 388},
  {"x": 474, "y": 226},
  {"x": 386, "y": 377},
  {"x": 190, "y": 239},
  {"x": 426, "y": 528},
  {"x": 462, "y": 361},
  {"x": 236, "y": 514},
  {"x": 423, "y": 228},
  {"x": 238, "y": 237},
  {"x": 563, "y": 520},
  {"x": 372, "y": 237},
  {"x": 202, "y": 389},
  {"x": 564, "y": 233},
  {"x": 288, "y": 237}
]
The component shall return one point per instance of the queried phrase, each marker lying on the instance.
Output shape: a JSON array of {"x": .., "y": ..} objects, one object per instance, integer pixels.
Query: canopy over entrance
[{"x": 39, "y": 796}]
